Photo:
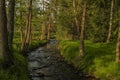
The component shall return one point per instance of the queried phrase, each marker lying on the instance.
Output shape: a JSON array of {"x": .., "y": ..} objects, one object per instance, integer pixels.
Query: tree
[
  {"x": 3, "y": 30},
  {"x": 10, "y": 24},
  {"x": 98, "y": 20},
  {"x": 43, "y": 31},
  {"x": 20, "y": 16},
  {"x": 81, "y": 52},
  {"x": 118, "y": 47},
  {"x": 27, "y": 38},
  {"x": 5, "y": 53},
  {"x": 65, "y": 19},
  {"x": 75, "y": 21},
  {"x": 118, "y": 36},
  {"x": 50, "y": 18},
  {"x": 43, "y": 27},
  {"x": 110, "y": 23}
]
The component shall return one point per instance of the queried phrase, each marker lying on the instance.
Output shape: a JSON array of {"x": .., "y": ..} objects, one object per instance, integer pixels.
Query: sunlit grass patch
[{"x": 98, "y": 59}]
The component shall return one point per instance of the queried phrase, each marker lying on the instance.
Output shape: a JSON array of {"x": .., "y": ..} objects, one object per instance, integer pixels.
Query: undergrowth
[
  {"x": 98, "y": 59},
  {"x": 19, "y": 70}
]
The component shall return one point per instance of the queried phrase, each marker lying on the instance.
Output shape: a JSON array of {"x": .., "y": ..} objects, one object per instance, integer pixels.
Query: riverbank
[
  {"x": 19, "y": 69},
  {"x": 98, "y": 60}
]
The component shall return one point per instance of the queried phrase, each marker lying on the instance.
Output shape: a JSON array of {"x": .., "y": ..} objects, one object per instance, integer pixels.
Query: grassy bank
[
  {"x": 18, "y": 71},
  {"x": 99, "y": 59}
]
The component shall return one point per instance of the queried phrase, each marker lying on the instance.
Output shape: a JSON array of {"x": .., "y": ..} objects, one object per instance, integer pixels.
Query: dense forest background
[{"x": 88, "y": 32}]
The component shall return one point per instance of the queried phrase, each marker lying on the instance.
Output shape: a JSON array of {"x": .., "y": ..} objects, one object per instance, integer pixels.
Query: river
[{"x": 47, "y": 64}]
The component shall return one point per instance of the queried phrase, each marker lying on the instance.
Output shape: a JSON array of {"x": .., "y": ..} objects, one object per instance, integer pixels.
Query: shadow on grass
[{"x": 98, "y": 59}]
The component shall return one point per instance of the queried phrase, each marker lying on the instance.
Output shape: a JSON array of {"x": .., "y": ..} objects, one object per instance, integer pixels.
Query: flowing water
[{"x": 44, "y": 64}]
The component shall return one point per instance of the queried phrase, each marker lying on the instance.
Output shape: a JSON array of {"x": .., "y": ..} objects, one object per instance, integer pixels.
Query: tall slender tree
[
  {"x": 28, "y": 24},
  {"x": 76, "y": 22},
  {"x": 27, "y": 38},
  {"x": 81, "y": 52},
  {"x": 110, "y": 23},
  {"x": 117, "y": 4},
  {"x": 10, "y": 24},
  {"x": 43, "y": 27},
  {"x": 118, "y": 46},
  {"x": 50, "y": 19},
  {"x": 5, "y": 52},
  {"x": 3, "y": 30}
]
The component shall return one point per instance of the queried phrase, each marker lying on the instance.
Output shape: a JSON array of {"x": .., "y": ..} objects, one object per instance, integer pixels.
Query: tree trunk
[
  {"x": 21, "y": 24},
  {"x": 76, "y": 26},
  {"x": 110, "y": 23},
  {"x": 81, "y": 52},
  {"x": 43, "y": 31},
  {"x": 44, "y": 24},
  {"x": 10, "y": 24},
  {"x": 27, "y": 37},
  {"x": 118, "y": 47},
  {"x": 3, "y": 30},
  {"x": 21, "y": 28},
  {"x": 5, "y": 53},
  {"x": 49, "y": 30}
]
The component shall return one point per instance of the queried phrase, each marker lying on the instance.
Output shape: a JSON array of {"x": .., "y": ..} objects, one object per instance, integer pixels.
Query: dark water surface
[{"x": 47, "y": 65}]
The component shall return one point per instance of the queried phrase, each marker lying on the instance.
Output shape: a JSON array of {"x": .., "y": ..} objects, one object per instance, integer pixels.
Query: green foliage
[
  {"x": 97, "y": 22},
  {"x": 62, "y": 33},
  {"x": 99, "y": 58},
  {"x": 69, "y": 50},
  {"x": 18, "y": 71},
  {"x": 36, "y": 44}
]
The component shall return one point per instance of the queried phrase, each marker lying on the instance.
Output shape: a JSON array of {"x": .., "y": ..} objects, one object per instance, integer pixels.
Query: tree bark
[
  {"x": 28, "y": 40},
  {"x": 76, "y": 26},
  {"x": 21, "y": 24},
  {"x": 118, "y": 47},
  {"x": 27, "y": 37},
  {"x": 49, "y": 30},
  {"x": 43, "y": 31},
  {"x": 44, "y": 24},
  {"x": 110, "y": 23},
  {"x": 5, "y": 53},
  {"x": 10, "y": 24},
  {"x": 50, "y": 22},
  {"x": 21, "y": 28},
  {"x": 3, "y": 30},
  {"x": 81, "y": 52}
]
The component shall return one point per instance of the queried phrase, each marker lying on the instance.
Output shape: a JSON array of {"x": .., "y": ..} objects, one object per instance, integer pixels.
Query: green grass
[
  {"x": 36, "y": 44},
  {"x": 99, "y": 58},
  {"x": 18, "y": 71}
]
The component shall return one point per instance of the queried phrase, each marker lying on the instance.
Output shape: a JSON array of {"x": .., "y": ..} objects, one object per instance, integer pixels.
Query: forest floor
[{"x": 47, "y": 64}]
